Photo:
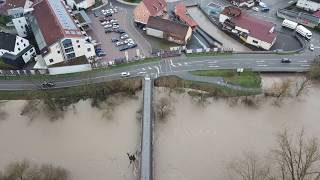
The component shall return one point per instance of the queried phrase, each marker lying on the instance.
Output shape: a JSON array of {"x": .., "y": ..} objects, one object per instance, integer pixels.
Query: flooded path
[{"x": 86, "y": 144}]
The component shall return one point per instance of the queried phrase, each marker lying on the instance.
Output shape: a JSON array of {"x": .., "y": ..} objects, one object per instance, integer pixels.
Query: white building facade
[
  {"x": 309, "y": 5},
  {"x": 81, "y": 4}
]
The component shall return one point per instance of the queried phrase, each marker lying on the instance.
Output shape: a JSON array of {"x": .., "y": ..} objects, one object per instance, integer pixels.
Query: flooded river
[
  {"x": 198, "y": 142},
  {"x": 84, "y": 142}
]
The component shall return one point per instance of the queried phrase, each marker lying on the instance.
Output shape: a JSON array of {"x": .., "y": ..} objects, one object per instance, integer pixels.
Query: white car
[
  {"x": 115, "y": 10},
  {"x": 124, "y": 36},
  {"x": 311, "y": 47},
  {"x": 128, "y": 40},
  {"x": 119, "y": 43},
  {"x": 125, "y": 74},
  {"x": 255, "y": 9},
  {"x": 104, "y": 23},
  {"x": 113, "y": 20},
  {"x": 108, "y": 26},
  {"x": 116, "y": 26}
]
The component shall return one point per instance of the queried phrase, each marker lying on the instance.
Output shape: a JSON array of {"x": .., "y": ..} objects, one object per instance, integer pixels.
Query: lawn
[
  {"x": 247, "y": 78},
  {"x": 4, "y": 20}
]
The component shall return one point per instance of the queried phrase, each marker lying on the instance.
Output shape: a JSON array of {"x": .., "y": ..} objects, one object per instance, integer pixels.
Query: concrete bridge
[{"x": 146, "y": 165}]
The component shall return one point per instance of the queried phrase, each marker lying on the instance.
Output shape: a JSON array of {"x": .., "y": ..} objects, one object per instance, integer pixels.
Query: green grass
[
  {"x": 174, "y": 82},
  {"x": 4, "y": 20},
  {"x": 247, "y": 78},
  {"x": 100, "y": 90},
  {"x": 209, "y": 54}
]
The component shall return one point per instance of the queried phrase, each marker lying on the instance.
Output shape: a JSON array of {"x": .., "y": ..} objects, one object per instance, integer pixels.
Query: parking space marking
[
  {"x": 171, "y": 63},
  {"x": 158, "y": 70},
  {"x": 150, "y": 68}
]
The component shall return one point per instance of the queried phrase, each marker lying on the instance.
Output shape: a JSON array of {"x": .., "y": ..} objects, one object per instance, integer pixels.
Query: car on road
[
  {"x": 46, "y": 84},
  {"x": 266, "y": 9},
  {"x": 285, "y": 60},
  {"x": 125, "y": 74},
  {"x": 311, "y": 47},
  {"x": 108, "y": 30}
]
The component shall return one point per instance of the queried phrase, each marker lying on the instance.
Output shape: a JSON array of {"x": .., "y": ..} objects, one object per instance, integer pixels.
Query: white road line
[
  {"x": 260, "y": 61},
  {"x": 141, "y": 72},
  {"x": 185, "y": 63},
  {"x": 214, "y": 66},
  {"x": 262, "y": 65},
  {"x": 171, "y": 63},
  {"x": 303, "y": 61},
  {"x": 143, "y": 69},
  {"x": 157, "y": 69},
  {"x": 212, "y": 62},
  {"x": 179, "y": 64},
  {"x": 149, "y": 68},
  {"x": 305, "y": 65}
]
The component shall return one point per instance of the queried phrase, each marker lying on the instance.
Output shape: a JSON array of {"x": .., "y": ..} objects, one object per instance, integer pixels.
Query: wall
[
  {"x": 20, "y": 25},
  {"x": 86, "y": 4},
  {"x": 261, "y": 44},
  {"x": 27, "y": 56},
  {"x": 189, "y": 34},
  {"x": 69, "y": 69},
  {"x": 155, "y": 33},
  {"x": 21, "y": 44},
  {"x": 308, "y": 5}
]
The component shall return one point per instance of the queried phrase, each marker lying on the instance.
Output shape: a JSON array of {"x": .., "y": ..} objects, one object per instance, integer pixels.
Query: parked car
[
  {"x": 115, "y": 10},
  {"x": 128, "y": 40},
  {"x": 124, "y": 48},
  {"x": 98, "y": 50},
  {"x": 266, "y": 9},
  {"x": 95, "y": 14},
  {"x": 124, "y": 36},
  {"x": 125, "y": 74},
  {"x": 108, "y": 26},
  {"x": 108, "y": 15},
  {"x": 113, "y": 20},
  {"x": 104, "y": 23},
  {"x": 101, "y": 54},
  {"x": 120, "y": 31},
  {"x": 114, "y": 39},
  {"x": 116, "y": 27},
  {"x": 311, "y": 47},
  {"x": 108, "y": 30},
  {"x": 120, "y": 43},
  {"x": 132, "y": 45},
  {"x": 285, "y": 60},
  {"x": 255, "y": 9}
]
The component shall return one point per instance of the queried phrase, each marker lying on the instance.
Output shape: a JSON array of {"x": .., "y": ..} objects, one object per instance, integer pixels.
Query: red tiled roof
[
  {"x": 317, "y": 13},
  {"x": 181, "y": 12},
  {"x": 10, "y": 4},
  {"x": 257, "y": 28},
  {"x": 155, "y": 6},
  {"x": 48, "y": 23}
]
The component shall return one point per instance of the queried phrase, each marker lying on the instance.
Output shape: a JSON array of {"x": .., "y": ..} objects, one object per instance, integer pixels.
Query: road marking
[
  {"x": 305, "y": 65},
  {"x": 141, "y": 72},
  {"x": 261, "y": 61},
  {"x": 262, "y": 65},
  {"x": 303, "y": 61},
  {"x": 214, "y": 66},
  {"x": 143, "y": 69},
  {"x": 212, "y": 62},
  {"x": 171, "y": 63},
  {"x": 179, "y": 64},
  {"x": 157, "y": 69},
  {"x": 149, "y": 68},
  {"x": 185, "y": 63}
]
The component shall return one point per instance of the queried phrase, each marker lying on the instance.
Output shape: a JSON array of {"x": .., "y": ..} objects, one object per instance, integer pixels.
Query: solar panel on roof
[{"x": 62, "y": 15}]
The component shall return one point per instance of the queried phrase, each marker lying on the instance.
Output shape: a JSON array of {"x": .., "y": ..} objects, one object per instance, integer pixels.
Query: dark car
[
  {"x": 95, "y": 14},
  {"x": 101, "y": 54},
  {"x": 109, "y": 30},
  {"x": 108, "y": 15},
  {"x": 265, "y": 9},
  {"x": 114, "y": 40},
  {"x": 124, "y": 48},
  {"x": 285, "y": 60},
  {"x": 120, "y": 31},
  {"x": 46, "y": 84}
]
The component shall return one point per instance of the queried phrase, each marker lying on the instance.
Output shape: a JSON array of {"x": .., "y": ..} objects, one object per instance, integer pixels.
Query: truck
[
  {"x": 289, "y": 24},
  {"x": 304, "y": 32}
]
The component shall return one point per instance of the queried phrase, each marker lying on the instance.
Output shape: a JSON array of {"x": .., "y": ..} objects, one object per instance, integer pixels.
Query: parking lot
[{"x": 114, "y": 37}]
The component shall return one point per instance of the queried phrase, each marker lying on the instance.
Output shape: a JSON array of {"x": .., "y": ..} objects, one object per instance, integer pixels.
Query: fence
[
  {"x": 22, "y": 72},
  {"x": 209, "y": 50}
]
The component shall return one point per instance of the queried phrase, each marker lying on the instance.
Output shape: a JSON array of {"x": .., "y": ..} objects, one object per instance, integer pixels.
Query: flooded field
[
  {"x": 198, "y": 141},
  {"x": 85, "y": 143}
]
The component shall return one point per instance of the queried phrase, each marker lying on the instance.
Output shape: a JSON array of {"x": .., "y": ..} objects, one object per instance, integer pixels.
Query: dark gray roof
[
  {"x": 7, "y": 41},
  {"x": 78, "y": 1}
]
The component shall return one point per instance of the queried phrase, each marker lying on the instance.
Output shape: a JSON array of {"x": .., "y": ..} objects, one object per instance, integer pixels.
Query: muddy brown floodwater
[
  {"x": 197, "y": 142},
  {"x": 84, "y": 143}
]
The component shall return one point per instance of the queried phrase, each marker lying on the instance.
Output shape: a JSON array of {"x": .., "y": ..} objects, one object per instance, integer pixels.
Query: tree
[
  {"x": 249, "y": 167},
  {"x": 164, "y": 108},
  {"x": 302, "y": 85},
  {"x": 298, "y": 157},
  {"x": 314, "y": 72}
]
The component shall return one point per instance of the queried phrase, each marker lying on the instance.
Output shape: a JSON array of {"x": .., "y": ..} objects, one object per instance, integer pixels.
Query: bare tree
[
  {"x": 279, "y": 91},
  {"x": 164, "y": 108},
  {"x": 49, "y": 172},
  {"x": 249, "y": 167},
  {"x": 298, "y": 157},
  {"x": 302, "y": 85}
]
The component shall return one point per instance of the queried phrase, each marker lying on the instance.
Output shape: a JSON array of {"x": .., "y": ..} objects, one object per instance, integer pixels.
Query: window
[
  {"x": 51, "y": 60},
  {"x": 17, "y": 43},
  {"x": 78, "y": 46},
  {"x": 69, "y": 50},
  {"x": 21, "y": 27},
  {"x": 19, "y": 49},
  {"x": 26, "y": 53},
  {"x": 21, "y": 40},
  {"x": 89, "y": 49},
  {"x": 67, "y": 43},
  {"x": 254, "y": 41},
  {"x": 58, "y": 52},
  {"x": 77, "y": 41},
  {"x": 24, "y": 45},
  {"x": 71, "y": 55},
  {"x": 24, "y": 32},
  {"x": 19, "y": 21},
  {"x": 31, "y": 50}
]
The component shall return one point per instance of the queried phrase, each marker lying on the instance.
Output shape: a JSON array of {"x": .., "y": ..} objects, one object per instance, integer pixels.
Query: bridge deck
[{"x": 147, "y": 126}]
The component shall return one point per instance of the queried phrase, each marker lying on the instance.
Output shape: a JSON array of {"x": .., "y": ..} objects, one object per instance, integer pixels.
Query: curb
[{"x": 127, "y": 3}]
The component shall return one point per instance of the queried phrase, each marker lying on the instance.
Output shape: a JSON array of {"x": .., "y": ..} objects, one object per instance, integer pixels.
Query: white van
[
  {"x": 304, "y": 32},
  {"x": 289, "y": 24}
]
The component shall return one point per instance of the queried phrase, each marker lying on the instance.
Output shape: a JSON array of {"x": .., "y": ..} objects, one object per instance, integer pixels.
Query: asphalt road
[{"x": 257, "y": 62}]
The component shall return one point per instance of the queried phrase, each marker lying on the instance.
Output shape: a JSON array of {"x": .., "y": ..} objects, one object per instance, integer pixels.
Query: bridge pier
[{"x": 146, "y": 165}]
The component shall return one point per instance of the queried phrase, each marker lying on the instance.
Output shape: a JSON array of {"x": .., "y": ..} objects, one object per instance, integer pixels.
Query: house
[
  {"x": 169, "y": 30},
  {"x": 11, "y": 4},
  {"x": 15, "y": 51},
  {"x": 148, "y": 8},
  {"x": 58, "y": 37},
  {"x": 181, "y": 13},
  {"x": 242, "y": 3},
  {"x": 251, "y": 30},
  {"x": 309, "y": 5},
  {"x": 80, "y": 4}
]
